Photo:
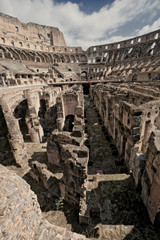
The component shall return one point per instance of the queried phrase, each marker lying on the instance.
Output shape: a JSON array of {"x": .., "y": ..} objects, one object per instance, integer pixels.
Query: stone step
[
  {"x": 93, "y": 180},
  {"x": 48, "y": 231}
]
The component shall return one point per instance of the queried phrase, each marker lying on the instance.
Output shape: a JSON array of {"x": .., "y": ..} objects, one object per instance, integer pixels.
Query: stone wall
[
  {"x": 131, "y": 119},
  {"x": 13, "y": 32},
  {"x": 21, "y": 217},
  {"x": 67, "y": 154},
  {"x": 9, "y": 102}
]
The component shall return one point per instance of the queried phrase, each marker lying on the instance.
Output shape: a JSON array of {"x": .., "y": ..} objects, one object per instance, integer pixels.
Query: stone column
[
  {"x": 33, "y": 124},
  {"x": 60, "y": 115},
  {"x": 14, "y": 134}
]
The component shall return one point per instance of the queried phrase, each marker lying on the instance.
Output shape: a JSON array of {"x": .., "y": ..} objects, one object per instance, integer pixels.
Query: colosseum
[{"x": 79, "y": 136}]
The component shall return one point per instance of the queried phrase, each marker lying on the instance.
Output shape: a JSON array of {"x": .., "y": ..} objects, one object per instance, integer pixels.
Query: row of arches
[
  {"x": 43, "y": 57},
  {"x": 125, "y": 68},
  {"x": 136, "y": 51}
]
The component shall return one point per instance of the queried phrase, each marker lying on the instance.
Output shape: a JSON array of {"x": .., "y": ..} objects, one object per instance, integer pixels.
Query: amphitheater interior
[{"x": 79, "y": 136}]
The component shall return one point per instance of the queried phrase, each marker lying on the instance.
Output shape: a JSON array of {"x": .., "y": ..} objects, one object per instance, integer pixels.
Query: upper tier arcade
[
  {"x": 133, "y": 59},
  {"x": 148, "y": 42}
]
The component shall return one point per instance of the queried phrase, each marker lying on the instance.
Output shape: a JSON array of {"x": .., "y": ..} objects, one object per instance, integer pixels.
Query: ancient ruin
[{"x": 79, "y": 136}]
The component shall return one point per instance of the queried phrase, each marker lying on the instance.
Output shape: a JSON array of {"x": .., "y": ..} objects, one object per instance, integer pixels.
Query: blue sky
[
  {"x": 89, "y": 22},
  {"x": 88, "y": 6}
]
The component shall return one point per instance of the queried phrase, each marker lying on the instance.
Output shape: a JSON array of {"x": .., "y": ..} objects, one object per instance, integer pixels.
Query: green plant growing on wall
[{"x": 59, "y": 204}]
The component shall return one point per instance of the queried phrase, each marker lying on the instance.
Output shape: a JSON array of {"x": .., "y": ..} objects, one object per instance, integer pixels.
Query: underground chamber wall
[
  {"x": 69, "y": 123},
  {"x": 20, "y": 113}
]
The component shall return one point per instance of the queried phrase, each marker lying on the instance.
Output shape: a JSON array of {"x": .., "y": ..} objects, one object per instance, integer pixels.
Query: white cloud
[
  {"x": 82, "y": 29},
  {"x": 149, "y": 28}
]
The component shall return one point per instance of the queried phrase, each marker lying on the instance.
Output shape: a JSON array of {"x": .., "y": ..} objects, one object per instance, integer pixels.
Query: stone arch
[
  {"x": 50, "y": 57},
  {"x": 84, "y": 75},
  {"x": 7, "y": 53},
  {"x": 30, "y": 56},
  {"x": 67, "y": 58},
  {"x": 41, "y": 57},
  {"x": 15, "y": 137},
  {"x": 37, "y": 59},
  {"x": 73, "y": 59},
  {"x": 56, "y": 58},
  {"x": 77, "y": 58},
  {"x": 46, "y": 57},
  {"x": 134, "y": 77},
  {"x": 83, "y": 58},
  {"x": 20, "y": 113},
  {"x": 22, "y": 55},
  {"x": 62, "y": 58},
  {"x": 14, "y": 53}
]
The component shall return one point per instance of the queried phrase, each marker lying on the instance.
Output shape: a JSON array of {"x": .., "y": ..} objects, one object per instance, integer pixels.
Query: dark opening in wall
[
  {"x": 86, "y": 89},
  {"x": 98, "y": 60},
  {"x": 124, "y": 146},
  {"x": 20, "y": 113},
  {"x": 134, "y": 78},
  {"x": 6, "y": 156},
  {"x": 69, "y": 123},
  {"x": 41, "y": 114},
  {"x": 42, "y": 109},
  {"x": 157, "y": 221},
  {"x": 37, "y": 60}
]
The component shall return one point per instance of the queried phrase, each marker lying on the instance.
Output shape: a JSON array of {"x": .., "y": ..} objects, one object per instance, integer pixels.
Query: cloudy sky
[{"x": 89, "y": 22}]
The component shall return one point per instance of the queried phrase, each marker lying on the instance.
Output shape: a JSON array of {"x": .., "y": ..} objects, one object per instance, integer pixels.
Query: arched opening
[
  {"x": 98, "y": 60},
  {"x": 83, "y": 58},
  {"x": 134, "y": 78},
  {"x": 37, "y": 59},
  {"x": 84, "y": 76},
  {"x": 17, "y": 76},
  {"x": 20, "y": 113},
  {"x": 6, "y": 157},
  {"x": 69, "y": 123},
  {"x": 86, "y": 89}
]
